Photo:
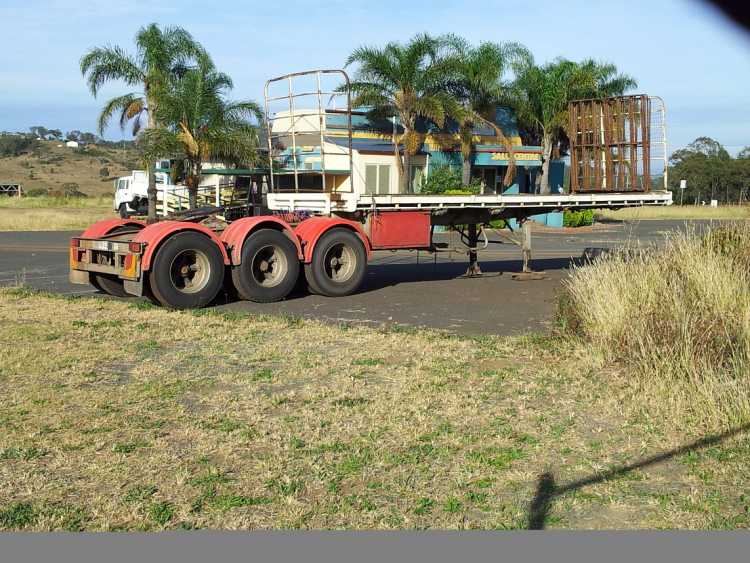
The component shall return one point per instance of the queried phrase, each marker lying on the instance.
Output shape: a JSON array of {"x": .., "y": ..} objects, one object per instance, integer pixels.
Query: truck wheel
[
  {"x": 109, "y": 284},
  {"x": 188, "y": 271},
  {"x": 269, "y": 268},
  {"x": 123, "y": 210},
  {"x": 338, "y": 264}
]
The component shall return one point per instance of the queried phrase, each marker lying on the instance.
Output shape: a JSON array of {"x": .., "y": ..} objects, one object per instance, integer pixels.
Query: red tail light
[
  {"x": 75, "y": 243},
  {"x": 135, "y": 247}
]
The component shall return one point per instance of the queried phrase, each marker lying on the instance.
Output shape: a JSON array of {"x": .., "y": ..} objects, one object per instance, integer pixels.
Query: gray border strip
[{"x": 365, "y": 547}]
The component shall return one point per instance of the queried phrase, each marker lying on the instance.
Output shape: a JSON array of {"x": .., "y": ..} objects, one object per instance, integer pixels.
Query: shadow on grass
[{"x": 547, "y": 490}]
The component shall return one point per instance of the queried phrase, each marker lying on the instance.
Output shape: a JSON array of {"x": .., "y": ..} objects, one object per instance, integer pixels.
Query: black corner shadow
[{"x": 547, "y": 490}]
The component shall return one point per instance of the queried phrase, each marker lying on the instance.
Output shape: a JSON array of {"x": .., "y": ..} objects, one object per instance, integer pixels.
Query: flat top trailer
[{"x": 185, "y": 263}]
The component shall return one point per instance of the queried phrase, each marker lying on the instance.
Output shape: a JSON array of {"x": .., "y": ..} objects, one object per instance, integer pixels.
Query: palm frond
[
  {"x": 126, "y": 105},
  {"x": 105, "y": 64}
]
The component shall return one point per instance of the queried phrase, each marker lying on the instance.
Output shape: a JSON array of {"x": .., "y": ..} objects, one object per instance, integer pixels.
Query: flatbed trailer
[{"x": 186, "y": 263}]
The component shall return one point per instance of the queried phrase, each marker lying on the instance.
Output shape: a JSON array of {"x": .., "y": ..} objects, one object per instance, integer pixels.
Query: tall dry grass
[{"x": 677, "y": 318}]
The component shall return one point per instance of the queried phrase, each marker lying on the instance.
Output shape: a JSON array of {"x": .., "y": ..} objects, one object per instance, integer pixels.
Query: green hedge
[{"x": 581, "y": 218}]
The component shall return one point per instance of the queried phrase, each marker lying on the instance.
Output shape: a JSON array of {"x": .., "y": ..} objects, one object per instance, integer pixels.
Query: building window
[
  {"x": 377, "y": 179},
  {"x": 488, "y": 179},
  {"x": 305, "y": 182}
]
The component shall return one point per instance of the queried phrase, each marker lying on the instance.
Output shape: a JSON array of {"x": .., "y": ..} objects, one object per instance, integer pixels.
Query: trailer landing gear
[
  {"x": 473, "y": 271},
  {"x": 471, "y": 239},
  {"x": 526, "y": 272}
]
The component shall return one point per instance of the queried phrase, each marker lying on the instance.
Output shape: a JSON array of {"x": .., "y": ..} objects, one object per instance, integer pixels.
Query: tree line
[
  {"x": 18, "y": 143},
  {"x": 710, "y": 173},
  {"x": 180, "y": 105}
]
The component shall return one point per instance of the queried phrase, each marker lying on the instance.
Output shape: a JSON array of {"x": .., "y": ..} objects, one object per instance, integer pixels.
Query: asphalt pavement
[{"x": 401, "y": 288}]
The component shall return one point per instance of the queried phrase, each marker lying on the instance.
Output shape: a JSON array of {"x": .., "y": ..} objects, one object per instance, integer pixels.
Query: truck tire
[
  {"x": 123, "y": 210},
  {"x": 269, "y": 269},
  {"x": 109, "y": 284},
  {"x": 187, "y": 272},
  {"x": 338, "y": 264}
]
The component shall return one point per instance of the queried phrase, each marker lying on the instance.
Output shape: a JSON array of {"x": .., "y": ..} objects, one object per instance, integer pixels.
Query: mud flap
[
  {"x": 78, "y": 277},
  {"x": 133, "y": 287}
]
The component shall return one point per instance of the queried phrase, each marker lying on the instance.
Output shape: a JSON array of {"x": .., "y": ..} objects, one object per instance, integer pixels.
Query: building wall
[{"x": 441, "y": 147}]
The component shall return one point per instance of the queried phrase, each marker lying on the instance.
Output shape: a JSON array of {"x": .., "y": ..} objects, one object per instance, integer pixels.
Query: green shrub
[
  {"x": 446, "y": 180},
  {"x": 582, "y": 218}
]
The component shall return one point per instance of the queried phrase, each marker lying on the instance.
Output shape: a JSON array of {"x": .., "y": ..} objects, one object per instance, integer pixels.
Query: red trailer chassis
[
  {"x": 185, "y": 264},
  {"x": 260, "y": 256}
]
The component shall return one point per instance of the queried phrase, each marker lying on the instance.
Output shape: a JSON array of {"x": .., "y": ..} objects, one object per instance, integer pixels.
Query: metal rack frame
[{"x": 318, "y": 94}]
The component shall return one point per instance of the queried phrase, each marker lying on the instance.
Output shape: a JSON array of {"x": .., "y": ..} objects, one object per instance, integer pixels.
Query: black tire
[
  {"x": 109, "y": 284},
  {"x": 123, "y": 210},
  {"x": 269, "y": 269},
  {"x": 338, "y": 264},
  {"x": 93, "y": 281},
  {"x": 187, "y": 272}
]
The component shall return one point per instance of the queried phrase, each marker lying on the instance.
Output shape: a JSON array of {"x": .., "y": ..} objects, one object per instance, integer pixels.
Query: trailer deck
[{"x": 325, "y": 203}]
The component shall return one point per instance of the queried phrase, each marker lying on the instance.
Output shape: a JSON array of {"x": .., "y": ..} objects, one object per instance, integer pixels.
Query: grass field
[
  {"x": 52, "y": 213},
  {"x": 120, "y": 416},
  {"x": 677, "y": 212}
]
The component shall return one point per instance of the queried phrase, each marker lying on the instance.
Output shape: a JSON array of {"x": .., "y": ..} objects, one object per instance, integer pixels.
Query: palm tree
[
  {"x": 160, "y": 55},
  {"x": 203, "y": 124},
  {"x": 478, "y": 84},
  {"x": 540, "y": 96},
  {"x": 407, "y": 82}
]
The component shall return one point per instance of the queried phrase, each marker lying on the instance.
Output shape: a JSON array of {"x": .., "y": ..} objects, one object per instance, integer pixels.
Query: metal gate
[
  {"x": 11, "y": 189},
  {"x": 290, "y": 132},
  {"x": 617, "y": 144}
]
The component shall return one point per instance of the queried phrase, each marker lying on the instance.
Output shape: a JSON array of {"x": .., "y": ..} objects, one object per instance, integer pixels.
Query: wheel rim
[
  {"x": 190, "y": 271},
  {"x": 340, "y": 262},
  {"x": 269, "y": 266}
]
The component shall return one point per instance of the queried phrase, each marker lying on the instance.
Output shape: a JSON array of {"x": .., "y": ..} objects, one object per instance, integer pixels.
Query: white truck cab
[{"x": 131, "y": 192}]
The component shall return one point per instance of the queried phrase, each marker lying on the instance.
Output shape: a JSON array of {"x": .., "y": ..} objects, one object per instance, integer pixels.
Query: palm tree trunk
[
  {"x": 397, "y": 156},
  {"x": 466, "y": 171},
  {"x": 151, "y": 190},
  {"x": 510, "y": 171},
  {"x": 466, "y": 145},
  {"x": 407, "y": 170},
  {"x": 194, "y": 184},
  {"x": 546, "y": 157}
]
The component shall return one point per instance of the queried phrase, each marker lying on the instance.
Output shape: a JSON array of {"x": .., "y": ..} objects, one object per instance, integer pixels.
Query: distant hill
[{"x": 47, "y": 166}]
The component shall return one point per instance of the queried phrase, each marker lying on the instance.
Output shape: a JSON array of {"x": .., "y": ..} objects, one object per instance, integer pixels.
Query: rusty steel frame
[{"x": 610, "y": 144}]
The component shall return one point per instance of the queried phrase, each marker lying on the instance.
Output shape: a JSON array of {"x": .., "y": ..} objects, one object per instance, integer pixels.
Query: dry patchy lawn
[
  {"x": 676, "y": 212},
  {"x": 59, "y": 219},
  {"x": 52, "y": 213},
  {"x": 119, "y": 416}
]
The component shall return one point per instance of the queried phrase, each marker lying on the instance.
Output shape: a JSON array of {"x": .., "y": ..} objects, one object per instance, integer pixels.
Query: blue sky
[{"x": 681, "y": 50}]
